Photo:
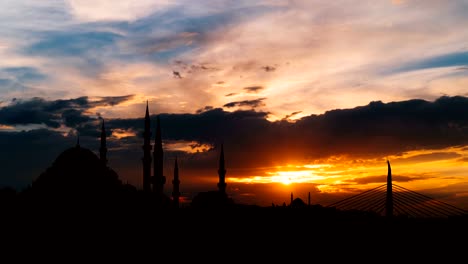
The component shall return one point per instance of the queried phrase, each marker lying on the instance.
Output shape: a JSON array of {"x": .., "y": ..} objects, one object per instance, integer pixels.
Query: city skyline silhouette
[
  {"x": 235, "y": 129},
  {"x": 79, "y": 177}
]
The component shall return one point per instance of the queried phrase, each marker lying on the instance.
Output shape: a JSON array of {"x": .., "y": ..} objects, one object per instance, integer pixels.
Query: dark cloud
[
  {"x": 291, "y": 115},
  {"x": 204, "y": 109},
  {"x": 253, "y": 89},
  {"x": 269, "y": 68},
  {"x": 249, "y": 103},
  {"x": 392, "y": 127},
  {"x": 30, "y": 112},
  {"x": 70, "y": 112},
  {"x": 230, "y": 94},
  {"x": 203, "y": 67},
  {"x": 374, "y": 130},
  {"x": 73, "y": 117},
  {"x": 176, "y": 74},
  {"x": 112, "y": 100}
]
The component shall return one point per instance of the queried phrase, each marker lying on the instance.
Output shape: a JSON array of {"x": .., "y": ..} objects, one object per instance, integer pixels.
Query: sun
[
  {"x": 289, "y": 174},
  {"x": 285, "y": 179}
]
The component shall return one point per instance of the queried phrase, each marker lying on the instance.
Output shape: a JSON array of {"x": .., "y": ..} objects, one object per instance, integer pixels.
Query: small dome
[{"x": 298, "y": 202}]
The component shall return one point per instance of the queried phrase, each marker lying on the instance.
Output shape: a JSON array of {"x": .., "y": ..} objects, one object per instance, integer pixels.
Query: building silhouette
[
  {"x": 80, "y": 174},
  {"x": 103, "y": 148},
  {"x": 147, "y": 153},
  {"x": 217, "y": 198},
  {"x": 175, "y": 184},
  {"x": 158, "y": 179}
]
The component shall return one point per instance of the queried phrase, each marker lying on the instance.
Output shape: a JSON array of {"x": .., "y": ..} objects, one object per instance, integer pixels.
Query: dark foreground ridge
[{"x": 233, "y": 233}]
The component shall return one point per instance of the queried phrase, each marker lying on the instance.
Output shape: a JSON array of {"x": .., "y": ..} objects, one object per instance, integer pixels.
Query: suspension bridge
[{"x": 391, "y": 200}]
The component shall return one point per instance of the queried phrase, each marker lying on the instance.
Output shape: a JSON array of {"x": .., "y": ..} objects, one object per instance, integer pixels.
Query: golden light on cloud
[
  {"x": 416, "y": 170},
  {"x": 287, "y": 175},
  {"x": 5, "y": 127},
  {"x": 187, "y": 146},
  {"x": 122, "y": 133}
]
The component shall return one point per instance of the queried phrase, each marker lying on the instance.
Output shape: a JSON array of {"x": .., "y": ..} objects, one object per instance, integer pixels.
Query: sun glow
[
  {"x": 417, "y": 170},
  {"x": 287, "y": 175}
]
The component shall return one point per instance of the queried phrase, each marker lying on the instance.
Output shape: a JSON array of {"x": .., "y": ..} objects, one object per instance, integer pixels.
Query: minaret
[
  {"x": 158, "y": 155},
  {"x": 291, "y": 198},
  {"x": 222, "y": 172},
  {"x": 308, "y": 200},
  {"x": 389, "y": 200},
  {"x": 147, "y": 153},
  {"x": 103, "y": 148},
  {"x": 175, "y": 184}
]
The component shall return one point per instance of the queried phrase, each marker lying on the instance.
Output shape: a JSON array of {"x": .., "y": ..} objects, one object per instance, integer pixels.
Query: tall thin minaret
[
  {"x": 292, "y": 198},
  {"x": 175, "y": 184},
  {"x": 103, "y": 148},
  {"x": 308, "y": 199},
  {"x": 158, "y": 156},
  {"x": 222, "y": 172},
  {"x": 389, "y": 200},
  {"x": 147, "y": 153}
]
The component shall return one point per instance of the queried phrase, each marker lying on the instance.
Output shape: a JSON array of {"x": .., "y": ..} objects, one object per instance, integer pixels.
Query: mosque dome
[
  {"x": 298, "y": 202},
  {"x": 77, "y": 171},
  {"x": 77, "y": 157}
]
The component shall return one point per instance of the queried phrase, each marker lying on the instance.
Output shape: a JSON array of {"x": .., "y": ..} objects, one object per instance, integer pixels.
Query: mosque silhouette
[{"x": 79, "y": 175}]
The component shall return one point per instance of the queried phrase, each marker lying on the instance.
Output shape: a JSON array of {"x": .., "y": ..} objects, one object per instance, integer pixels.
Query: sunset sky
[{"x": 306, "y": 95}]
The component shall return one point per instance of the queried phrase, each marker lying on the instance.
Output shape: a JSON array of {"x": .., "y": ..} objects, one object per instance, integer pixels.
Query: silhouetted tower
[
  {"x": 147, "y": 153},
  {"x": 291, "y": 198},
  {"x": 389, "y": 200},
  {"x": 159, "y": 179},
  {"x": 222, "y": 172},
  {"x": 103, "y": 148},
  {"x": 308, "y": 200},
  {"x": 175, "y": 184}
]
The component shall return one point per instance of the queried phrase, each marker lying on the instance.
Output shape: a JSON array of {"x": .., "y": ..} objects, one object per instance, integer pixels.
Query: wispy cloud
[
  {"x": 248, "y": 103},
  {"x": 446, "y": 60},
  {"x": 331, "y": 58},
  {"x": 253, "y": 89}
]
